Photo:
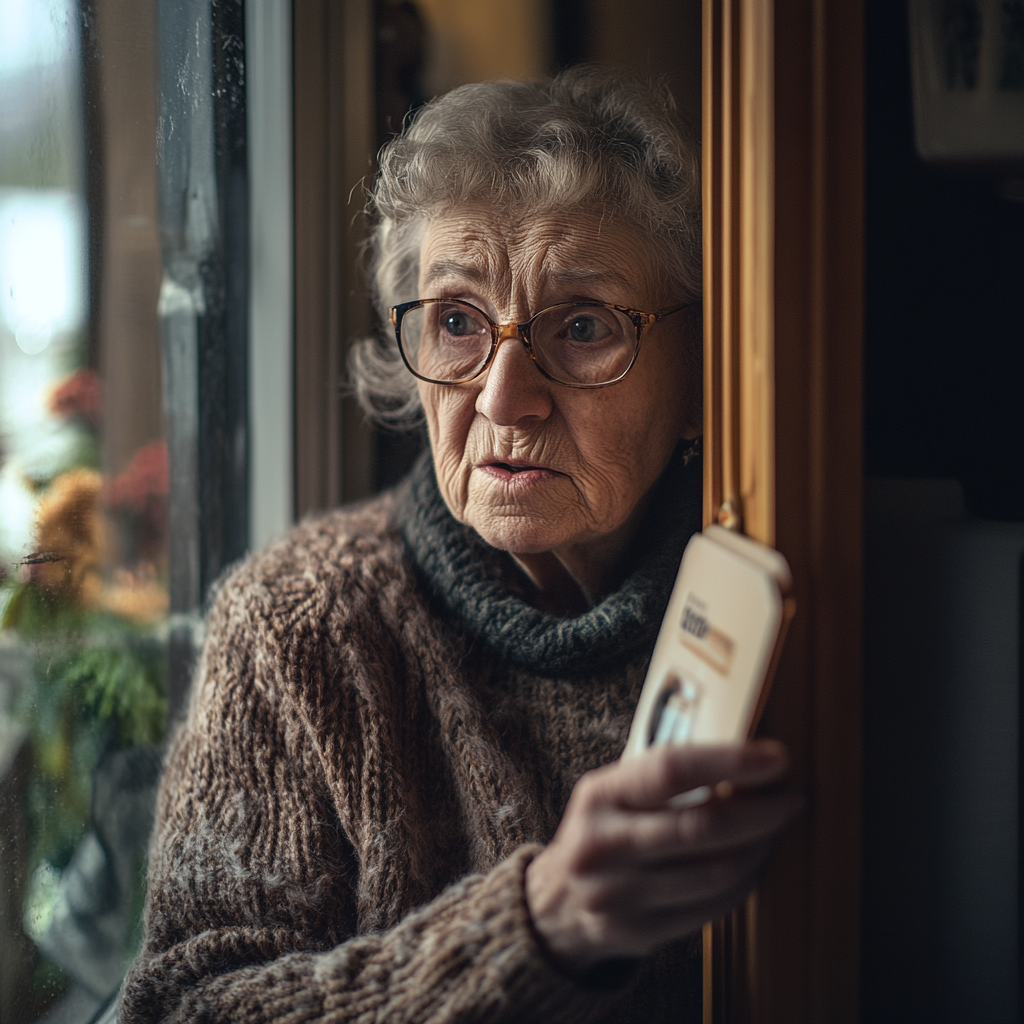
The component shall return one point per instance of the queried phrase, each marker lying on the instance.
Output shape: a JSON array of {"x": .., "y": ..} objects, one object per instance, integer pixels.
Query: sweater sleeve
[{"x": 251, "y": 910}]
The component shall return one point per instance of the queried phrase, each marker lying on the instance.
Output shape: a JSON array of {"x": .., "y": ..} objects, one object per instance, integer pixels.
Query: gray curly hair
[{"x": 587, "y": 137}]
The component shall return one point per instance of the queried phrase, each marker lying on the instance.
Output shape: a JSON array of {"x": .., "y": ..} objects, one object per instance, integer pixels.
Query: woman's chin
[
  {"x": 521, "y": 534},
  {"x": 536, "y": 518}
]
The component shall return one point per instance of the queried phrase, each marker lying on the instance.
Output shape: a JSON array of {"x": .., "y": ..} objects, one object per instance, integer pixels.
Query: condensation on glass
[{"x": 83, "y": 496}]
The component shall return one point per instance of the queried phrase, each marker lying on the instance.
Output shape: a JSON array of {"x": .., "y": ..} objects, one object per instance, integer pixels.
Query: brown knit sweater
[{"x": 363, "y": 776}]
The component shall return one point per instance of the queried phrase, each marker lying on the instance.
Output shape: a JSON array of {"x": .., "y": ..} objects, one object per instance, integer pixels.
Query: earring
[{"x": 692, "y": 450}]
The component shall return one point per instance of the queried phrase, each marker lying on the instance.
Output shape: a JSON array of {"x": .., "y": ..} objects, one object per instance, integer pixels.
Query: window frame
[{"x": 204, "y": 306}]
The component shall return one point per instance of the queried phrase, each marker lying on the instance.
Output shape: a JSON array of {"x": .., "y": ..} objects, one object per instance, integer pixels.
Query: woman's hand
[{"x": 626, "y": 871}]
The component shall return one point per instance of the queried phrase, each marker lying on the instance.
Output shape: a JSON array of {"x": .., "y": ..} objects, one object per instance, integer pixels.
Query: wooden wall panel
[
  {"x": 334, "y": 125},
  {"x": 783, "y": 310}
]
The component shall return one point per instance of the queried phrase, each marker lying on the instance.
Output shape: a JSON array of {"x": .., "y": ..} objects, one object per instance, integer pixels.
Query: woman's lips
[{"x": 516, "y": 473}]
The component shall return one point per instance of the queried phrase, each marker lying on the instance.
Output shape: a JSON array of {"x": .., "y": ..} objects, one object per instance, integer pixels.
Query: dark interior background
[
  {"x": 944, "y": 303},
  {"x": 944, "y": 504}
]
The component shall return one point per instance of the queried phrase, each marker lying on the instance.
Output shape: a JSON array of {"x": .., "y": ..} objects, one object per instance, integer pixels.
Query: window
[{"x": 124, "y": 255}]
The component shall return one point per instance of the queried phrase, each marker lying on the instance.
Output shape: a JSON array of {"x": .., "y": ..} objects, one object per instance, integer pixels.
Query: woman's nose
[{"x": 513, "y": 389}]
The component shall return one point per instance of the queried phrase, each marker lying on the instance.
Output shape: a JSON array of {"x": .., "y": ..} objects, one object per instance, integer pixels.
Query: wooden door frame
[{"x": 783, "y": 206}]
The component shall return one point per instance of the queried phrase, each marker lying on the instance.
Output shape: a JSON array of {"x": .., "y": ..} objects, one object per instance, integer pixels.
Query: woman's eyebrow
[{"x": 445, "y": 269}]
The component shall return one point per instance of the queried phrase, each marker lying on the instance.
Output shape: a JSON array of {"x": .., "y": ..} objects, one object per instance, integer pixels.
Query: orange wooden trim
[
  {"x": 783, "y": 270},
  {"x": 756, "y": 331},
  {"x": 707, "y": 1014},
  {"x": 711, "y": 156}
]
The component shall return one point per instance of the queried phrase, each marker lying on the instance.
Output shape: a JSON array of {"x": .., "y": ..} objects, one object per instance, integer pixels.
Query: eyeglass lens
[{"x": 574, "y": 344}]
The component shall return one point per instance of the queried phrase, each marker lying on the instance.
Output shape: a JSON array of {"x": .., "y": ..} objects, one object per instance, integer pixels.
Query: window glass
[{"x": 83, "y": 497}]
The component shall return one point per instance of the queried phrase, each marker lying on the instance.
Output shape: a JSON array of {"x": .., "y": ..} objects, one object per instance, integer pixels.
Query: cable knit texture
[{"x": 381, "y": 733}]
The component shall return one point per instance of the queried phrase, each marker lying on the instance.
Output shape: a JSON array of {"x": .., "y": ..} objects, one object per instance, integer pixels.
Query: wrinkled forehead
[{"x": 578, "y": 250}]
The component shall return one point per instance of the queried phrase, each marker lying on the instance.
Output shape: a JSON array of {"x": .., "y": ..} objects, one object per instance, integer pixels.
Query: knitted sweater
[{"x": 381, "y": 734}]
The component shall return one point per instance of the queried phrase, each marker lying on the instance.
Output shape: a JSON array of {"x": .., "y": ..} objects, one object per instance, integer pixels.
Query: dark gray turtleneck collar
[{"x": 484, "y": 591}]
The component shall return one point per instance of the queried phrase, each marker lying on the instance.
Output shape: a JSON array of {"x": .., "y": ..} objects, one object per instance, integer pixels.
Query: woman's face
[{"x": 531, "y": 465}]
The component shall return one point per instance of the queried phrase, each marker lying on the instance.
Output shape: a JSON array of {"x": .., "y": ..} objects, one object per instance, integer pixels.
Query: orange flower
[
  {"x": 69, "y": 538},
  {"x": 136, "y": 595}
]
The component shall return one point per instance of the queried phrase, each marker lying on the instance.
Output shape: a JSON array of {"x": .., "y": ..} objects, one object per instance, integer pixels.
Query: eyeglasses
[{"x": 578, "y": 344}]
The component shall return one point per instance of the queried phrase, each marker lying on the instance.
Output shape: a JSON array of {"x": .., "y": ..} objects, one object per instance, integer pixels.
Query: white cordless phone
[{"x": 719, "y": 642}]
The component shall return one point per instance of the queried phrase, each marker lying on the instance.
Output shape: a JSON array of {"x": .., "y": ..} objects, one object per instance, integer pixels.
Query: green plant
[{"x": 97, "y": 680}]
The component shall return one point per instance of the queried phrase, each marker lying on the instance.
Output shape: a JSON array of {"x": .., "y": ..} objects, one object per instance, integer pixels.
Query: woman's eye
[
  {"x": 588, "y": 329},
  {"x": 458, "y": 324}
]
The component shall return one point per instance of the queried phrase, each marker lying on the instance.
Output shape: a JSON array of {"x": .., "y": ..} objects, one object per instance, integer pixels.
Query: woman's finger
[
  {"x": 651, "y": 780},
  {"x": 647, "y": 838}
]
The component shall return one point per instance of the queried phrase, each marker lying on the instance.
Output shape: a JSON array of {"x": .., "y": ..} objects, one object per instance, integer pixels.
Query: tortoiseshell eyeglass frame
[{"x": 640, "y": 319}]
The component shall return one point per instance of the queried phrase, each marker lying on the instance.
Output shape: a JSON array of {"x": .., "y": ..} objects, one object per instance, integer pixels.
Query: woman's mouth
[{"x": 519, "y": 472}]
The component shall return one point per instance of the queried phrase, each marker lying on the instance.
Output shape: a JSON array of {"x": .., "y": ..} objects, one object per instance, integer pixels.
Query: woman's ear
[{"x": 693, "y": 421}]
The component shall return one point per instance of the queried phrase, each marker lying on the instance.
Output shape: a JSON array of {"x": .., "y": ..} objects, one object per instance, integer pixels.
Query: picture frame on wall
[{"x": 967, "y": 65}]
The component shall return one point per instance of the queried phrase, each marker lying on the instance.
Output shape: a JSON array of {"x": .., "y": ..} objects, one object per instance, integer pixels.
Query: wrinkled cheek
[
  {"x": 449, "y": 413},
  {"x": 451, "y": 479},
  {"x": 608, "y": 482},
  {"x": 429, "y": 401}
]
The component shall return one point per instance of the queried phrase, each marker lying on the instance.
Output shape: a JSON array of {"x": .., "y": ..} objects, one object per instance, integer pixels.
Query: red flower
[
  {"x": 138, "y": 497},
  {"x": 78, "y": 394},
  {"x": 145, "y": 478}
]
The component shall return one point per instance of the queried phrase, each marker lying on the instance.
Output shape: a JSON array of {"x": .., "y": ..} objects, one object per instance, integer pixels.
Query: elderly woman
[{"x": 396, "y": 797}]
